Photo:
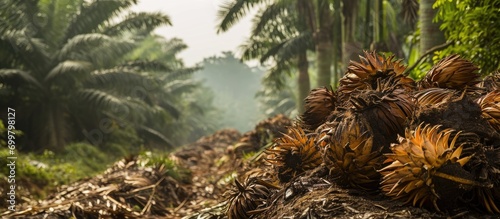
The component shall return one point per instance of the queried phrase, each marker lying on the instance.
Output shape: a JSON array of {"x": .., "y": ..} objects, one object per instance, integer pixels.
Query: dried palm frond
[
  {"x": 364, "y": 74},
  {"x": 350, "y": 154},
  {"x": 319, "y": 104},
  {"x": 490, "y": 107},
  {"x": 293, "y": 153},
  {"x": 247, "y": 197},
  {"x": 421, "y": 160},
  {"x": 434, "y": 96},
  {"x": 452, "y": 72}
]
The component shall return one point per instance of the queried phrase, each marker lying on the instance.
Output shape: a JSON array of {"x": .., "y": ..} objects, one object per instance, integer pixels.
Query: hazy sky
[{"x": 195, "y": 21}]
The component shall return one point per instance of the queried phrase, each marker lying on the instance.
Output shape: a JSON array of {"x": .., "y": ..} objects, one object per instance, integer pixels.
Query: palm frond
[
  {"x": 94, "y": 14},
  {"x": 232, "y": 11},
  {"x": 275, "y": 76},
  {"x": 16, "y": 77},
  {"x": 289, "y": 49},
  {"x": 28, "y": 51},
  {"x": 268, "y": 15},
  {"x": 178, "y": 87},
  {"x": 409, "y": 11},
  {"x": 99, "y": 100},
  {"x": 82, "y": 43},
  {"x": 182, "y": 73},
  {"x": 69, "y": 70},
  {"x": 138, "y": 21},
  {"x": 170, "y": 107},
  {"x": 146, "y": 65},
  {"x": 156, "y": 134},
  {"x": 124, "y": 80},
  {"x": 108, "y": 54}
]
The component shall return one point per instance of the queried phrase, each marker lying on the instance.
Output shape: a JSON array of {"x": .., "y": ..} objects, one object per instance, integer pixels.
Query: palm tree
[
  {"x": 279, "y": 37},
  {"x": 199, "y": 116},
  {"x": 314, "y": 16},
  {"x": 62, "y": 72}
]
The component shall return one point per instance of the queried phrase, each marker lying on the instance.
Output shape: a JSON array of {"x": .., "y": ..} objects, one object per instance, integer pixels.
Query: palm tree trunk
[
  {"x": 351, "y": 48},
  {"x": 430, "y": 35},
  {"x": 304, "y": 83},
  {"x": 337, "y": 42},
  {"x": 324, "y": 48}
]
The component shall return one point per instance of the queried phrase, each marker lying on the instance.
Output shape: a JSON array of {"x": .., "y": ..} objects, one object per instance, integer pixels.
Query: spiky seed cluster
[
  {"x": 415, "y": 162},
  {"x": 318, "y": 105},
  {"x": 485, "y": 164},
  {"x": 364, "y": 74},
  {"x": 293, "y": 153},
  {"x": 350, "y": 154},
  {"x": 387, "y": 110},
  {"x": 490, "y": 107},
  {"x": 451, "y": 72},
  {"x": 491, "y": 82},
  {"x": 247, "y": 197},
  {"x": 434, "y": 96}
]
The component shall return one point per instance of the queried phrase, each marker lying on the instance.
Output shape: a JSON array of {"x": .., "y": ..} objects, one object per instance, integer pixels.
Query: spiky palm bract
[
  {"x": 364, "y": 74},
  {"x": 247, "y": 197},
  {"x": 293, "y": 153},
  {"x": 350, "y": 153},
  {"x": 452, "y": 72},
  {"x": 423, "y": 165}
]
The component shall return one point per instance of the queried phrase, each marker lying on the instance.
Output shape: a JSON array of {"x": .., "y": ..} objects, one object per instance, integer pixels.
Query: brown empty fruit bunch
[
  {"x": 490, "y": 107},
  {"x": 451, "y": 72},
  {"x": 293, "y": 153},
  {"x": 364, "y": 74},
  {"x": 425, "y": 166},
  {"x": 350, "y": 154},
  {"x": 319, "y": 104},
  {"x": 244, "y": 200}
]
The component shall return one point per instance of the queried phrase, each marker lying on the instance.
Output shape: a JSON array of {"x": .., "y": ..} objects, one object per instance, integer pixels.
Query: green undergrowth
[{"x": 38, "y": 175}]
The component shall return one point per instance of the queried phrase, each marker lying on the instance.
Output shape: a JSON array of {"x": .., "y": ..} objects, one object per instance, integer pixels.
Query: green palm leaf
[
  {"x": 145, "y": 65},
  {"x": 178, "y": 87},
  {"x": 232, "y": 11},
  {"x": 109, "y": 53},
  {"x": 30, "y": 52},
  {"x": 270, "y": 14},
  {"x": 93, "y": 14},
  {"x": 118, "y": 77},
  {"x": 16, "y": 77},
  {"x": 81, "y": 44},
  {"x": 69, "y": 70},
  {"x": 99, "y": 100},
  {"x": 138, "y": 21}
]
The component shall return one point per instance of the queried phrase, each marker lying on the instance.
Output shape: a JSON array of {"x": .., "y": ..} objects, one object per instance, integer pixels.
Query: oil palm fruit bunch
[
  {"x": 426, "y": 166},
  {"x": 350, "y": 153},
  {"x": 364, "y": 74},
  {"x": 491, "y": 82},
  {"x": 451, "y": 72},
  {"x": 434, "y": 96},
  {"x": 293, "y": 153},
  {"x": 319, "y": 104},
  {"x": 490, "y": 107},
  {"x": 485, "y": 165},
  {"x": 244, "y": 200},
  {"x": 387, "y": 111},
  {"x": 263, "y": 134}
]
